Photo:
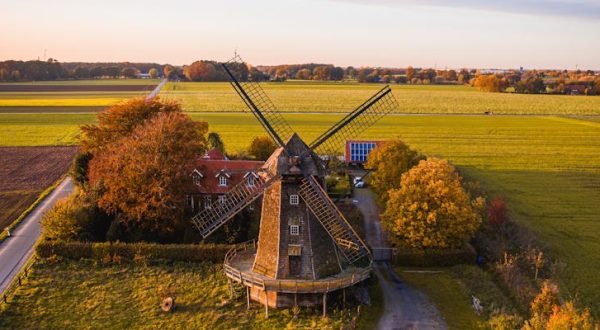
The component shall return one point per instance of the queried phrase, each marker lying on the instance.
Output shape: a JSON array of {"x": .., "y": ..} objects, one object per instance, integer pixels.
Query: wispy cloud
[{"x": 588, "y": 9}]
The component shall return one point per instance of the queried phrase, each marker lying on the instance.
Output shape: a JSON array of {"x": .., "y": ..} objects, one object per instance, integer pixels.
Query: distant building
[
  {"x": 214, "y": 175},
  {"x": 144, "y": 75},
  {"x": 357, "y": 151}
]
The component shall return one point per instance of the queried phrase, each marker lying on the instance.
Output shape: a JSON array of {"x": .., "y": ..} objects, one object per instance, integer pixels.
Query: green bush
[
  {"x": 133, "y": 251},
  {"x": 405, "y": 256}
]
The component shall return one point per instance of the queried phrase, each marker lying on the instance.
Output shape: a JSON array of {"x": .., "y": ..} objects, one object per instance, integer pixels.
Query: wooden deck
[{"x": 238, "y": 267}]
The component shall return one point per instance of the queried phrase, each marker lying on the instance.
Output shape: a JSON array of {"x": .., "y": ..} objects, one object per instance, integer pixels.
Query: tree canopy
[
  {"x": 262, "y": 147},
  {"x": 120, "y": 119},
  {"x": 388, "y": 162},
  {"x": 431, "y": 209},
  {"x": 143, "y": 176}
]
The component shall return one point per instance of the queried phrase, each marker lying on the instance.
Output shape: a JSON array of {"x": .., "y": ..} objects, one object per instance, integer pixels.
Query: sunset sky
[{"x": 430, "y": 33}]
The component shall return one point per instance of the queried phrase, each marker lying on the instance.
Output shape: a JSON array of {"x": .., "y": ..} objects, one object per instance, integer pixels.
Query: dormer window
[
  {"x": 197, "y": 177},
  {"x": 222, "y": 180},
  {"x": 251, "y": 181}
]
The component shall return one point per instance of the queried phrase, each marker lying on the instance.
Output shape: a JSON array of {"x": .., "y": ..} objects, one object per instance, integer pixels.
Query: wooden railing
[{"x": 290, "y": 285}]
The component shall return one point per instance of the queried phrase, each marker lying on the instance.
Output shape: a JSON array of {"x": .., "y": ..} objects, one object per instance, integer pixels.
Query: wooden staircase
[{"x": 351, "y": 245}]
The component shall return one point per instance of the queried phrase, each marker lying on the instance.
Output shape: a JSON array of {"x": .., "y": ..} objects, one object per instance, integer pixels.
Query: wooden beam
[
  {"x": 324, "y": 304},
  {"x": 266, "y": 304},
  {"x": 248, "y": 297}
]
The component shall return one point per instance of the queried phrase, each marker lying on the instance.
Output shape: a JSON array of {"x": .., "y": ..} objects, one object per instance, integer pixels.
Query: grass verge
[{"x": 42, "y": 196}]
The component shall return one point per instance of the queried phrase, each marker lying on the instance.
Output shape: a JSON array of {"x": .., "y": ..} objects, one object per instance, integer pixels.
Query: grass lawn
[
  {"x": 77, "y": 294},
  {"x": 447, "y": 293},
  {"x": 343, "y": 97},
  {"x": 547, "y": 167}
]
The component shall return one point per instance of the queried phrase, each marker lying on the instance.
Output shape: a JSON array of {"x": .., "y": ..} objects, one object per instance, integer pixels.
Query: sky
[{"x": 534, "y": 34}]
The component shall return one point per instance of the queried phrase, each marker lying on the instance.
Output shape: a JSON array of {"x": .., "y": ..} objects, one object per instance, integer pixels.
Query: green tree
[
  {"x": 388, "y": 162},
  {"x": 153, "y": 73},
  {"x": 261, "y": 147},
  {"x": 79, "y": 169},
  {"x": 214, "y": 141},
  {"x": 431, "y": 209},
  {"x": 144, "y": 176}
]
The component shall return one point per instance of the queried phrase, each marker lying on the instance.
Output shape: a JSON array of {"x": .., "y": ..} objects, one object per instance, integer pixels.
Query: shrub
[
  {"x": 133, "y": 252},
  {"x": 504, "y": 321}
]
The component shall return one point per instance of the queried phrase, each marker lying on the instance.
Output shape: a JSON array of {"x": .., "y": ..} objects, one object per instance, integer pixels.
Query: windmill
[{"x": 306, "y": 247}]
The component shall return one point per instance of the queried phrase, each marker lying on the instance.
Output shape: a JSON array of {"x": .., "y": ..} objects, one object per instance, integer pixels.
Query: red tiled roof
[
  {"x": 210, "y": 169},
  {"x": 215, "y": 154}
]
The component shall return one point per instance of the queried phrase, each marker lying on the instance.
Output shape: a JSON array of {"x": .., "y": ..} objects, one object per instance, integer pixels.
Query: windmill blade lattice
[
  {"x": 356, "y": 122},
  {"x": 238, "y": 198},
  {"x": 352, "y": 246},
  {"x": 259, "y": 104}
]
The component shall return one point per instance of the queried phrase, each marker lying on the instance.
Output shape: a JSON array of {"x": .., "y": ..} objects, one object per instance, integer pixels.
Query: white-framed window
[
  {"x": 295, "y": 230},
  {"x": 222, "y": 180},
  {"x": 207, "y": 202},
  {"x": 222, "y": 199},
  {"x": 251, "y": 181},
  {"x": 196, "y": 178},
  {"x": 294, "y": 200},
  {"x": 190, "y": 201}
]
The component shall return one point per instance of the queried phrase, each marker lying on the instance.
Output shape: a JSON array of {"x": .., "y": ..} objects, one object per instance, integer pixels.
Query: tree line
[{"x": 14, "y": 71}]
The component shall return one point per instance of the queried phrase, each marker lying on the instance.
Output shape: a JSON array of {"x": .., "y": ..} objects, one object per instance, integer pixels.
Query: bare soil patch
[
  {"x": 74, "y": 88},
  {"x": 25, "y": 173}
]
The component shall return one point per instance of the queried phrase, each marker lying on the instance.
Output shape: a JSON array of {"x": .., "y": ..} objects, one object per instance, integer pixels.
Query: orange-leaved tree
[
  {"x": 120, "y": 119},
  {"x": 143, "y": 176},
  {"x": 388, "y": 162},
  {"x": 431, "y": 209}
]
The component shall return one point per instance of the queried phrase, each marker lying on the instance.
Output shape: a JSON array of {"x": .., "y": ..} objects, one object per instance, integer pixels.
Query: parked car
[{"x": 358, "y": 182}]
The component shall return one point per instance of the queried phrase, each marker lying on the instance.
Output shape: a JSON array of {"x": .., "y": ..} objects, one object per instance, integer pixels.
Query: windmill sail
[
  {"x": 240, "y": 196},
  {"x": 260, "y": 105},
  {"x": 342, "y": 233},
  {"x": 356, "y": 122}
]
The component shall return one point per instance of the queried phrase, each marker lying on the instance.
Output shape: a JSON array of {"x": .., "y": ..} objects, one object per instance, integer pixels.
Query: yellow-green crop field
[
  {"x": 343, "y": 97},
  {"x": 548, "y": 167}
]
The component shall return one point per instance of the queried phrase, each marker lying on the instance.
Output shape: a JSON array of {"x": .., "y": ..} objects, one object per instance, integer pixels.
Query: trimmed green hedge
[
  {"x": 434, "y": 258},
  {"x": 133, "y": 251}
]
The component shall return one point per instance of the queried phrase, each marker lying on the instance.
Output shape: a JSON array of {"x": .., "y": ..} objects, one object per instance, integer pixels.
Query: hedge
[
  {"x": 434, "y": 258},
  {"x": 133, "y": 251}
]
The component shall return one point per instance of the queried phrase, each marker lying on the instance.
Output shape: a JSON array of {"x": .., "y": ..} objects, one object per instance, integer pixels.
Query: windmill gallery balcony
[{"x": 276, "y": 293}]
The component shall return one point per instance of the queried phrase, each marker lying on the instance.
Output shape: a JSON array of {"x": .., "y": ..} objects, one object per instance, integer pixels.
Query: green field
[
  {"x": 343, "y": 97},
  {"x": 77, "y": 294},
  {"x": 547, "y": 167}
]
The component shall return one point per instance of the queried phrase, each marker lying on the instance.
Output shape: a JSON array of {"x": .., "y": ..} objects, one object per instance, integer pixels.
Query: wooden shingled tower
[{"x": 306, "y": 247}]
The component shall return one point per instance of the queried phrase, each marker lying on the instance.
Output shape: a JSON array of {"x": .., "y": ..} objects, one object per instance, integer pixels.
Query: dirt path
[{"x": 405, "y": 307}]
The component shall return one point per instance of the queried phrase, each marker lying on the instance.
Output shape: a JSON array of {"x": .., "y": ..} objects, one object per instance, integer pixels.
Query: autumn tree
[
  {"x": 153, "y": 73},
  {"x": 388, "y": 162},
  {"x": 497, "y": 212},
  {"x": 120, "y": 119},
  {"x": 262, "y": 147},
  {"x": 303, "y": 74},
  {"x": 431, "y": 209},
  {"x": 200, "y": 71},
  {"x": 410, "y": 73},
  {"x": 322, "y": 73},
  {"x": 214, "y": 141},
  {"x": 489, "y": 83},
  {"x": 143, "y": 176}
]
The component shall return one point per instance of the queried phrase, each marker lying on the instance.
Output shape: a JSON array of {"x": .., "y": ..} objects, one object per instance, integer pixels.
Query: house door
[{"x": 295, "y": 265}]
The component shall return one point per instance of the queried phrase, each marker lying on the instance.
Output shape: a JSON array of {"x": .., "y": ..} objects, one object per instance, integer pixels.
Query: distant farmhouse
[
  {"x": 214, "y": 175},
  {"x": 356, "y": 152}
]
